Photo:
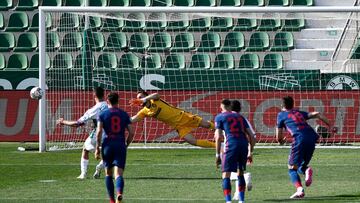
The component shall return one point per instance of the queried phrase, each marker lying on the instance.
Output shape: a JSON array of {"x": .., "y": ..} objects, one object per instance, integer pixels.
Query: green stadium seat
[
  {"x": 293, "y": 25},
  {"x": 183, "y": 42},
  {"x": 62, "y": 61},
  {"x": 79, "y": 61},
  {"x": 200, "y": 61},
  {"x": 95, "y": 23},
  {"x": 96, "y": 41},
  {"x": 140, "y": 3},
  {"x": 2, "y": 21},
  {"x": 355, "y": 53},
  {"x": 35, "y": 63},
  {"x": 68, "y": 22},
  {"x": 107, "y": 60},
  {"x": 51, "y": 3},
  {"x": 116, "y": 41},
  {"x": 7, "y": 41},
  {"x": 200, "y": 25},
  {"x": 26, "y": 42},
  {"x": 139, "y": 42},
  {"x": 135, "y": 23},
  {"x": 6, "y": 5},
  {"x": 27, "y": 5},
  {"x": 283, "y": 41},
  {"x": 129, "y": 60},
  {"x": 35, "y": 22},
  {"x": 157, "y": 22},
  {"x": 205, "y": 2},
  {"x": 245, "y": 24},
  {"x": 184, "y": 3},
  {"x": 52, "y": 41},
  {"x": 178, "y": 22},
  {"x": 162, "y": 3},
  {"x": 249, "y": 61},
  {"x": 112, "y": 25},
  {"x": 259, "y": 41},
  {"x": 72, "y": 41},
  {"x": 272, "y": 61},
  {"x": 302, "y": 2},
  {"x": 18, "y": 61},
  {"x": 118, "y": 2},
  {"x": 176, "y": 61},
  {"x": 220, "y": 24},
  {"x": 74, "y": 3},
  {"x": 210, "y": 42},
  {"x": 161, "y": 42},
  {"x": 234, "y": 42},
  {"x": 97, "y": 2},
  {"x": 2, "y": 62},
  {"x": 254, "y": 3},
  {"x": 18, "y": 22},
  {"x": 224, "y": 61},
  {"x": 231, "y": 3},
  {"x": 278, "y": 3},
  {"x": 152, "y": 61},
  {"x": 269, "y": 25}
]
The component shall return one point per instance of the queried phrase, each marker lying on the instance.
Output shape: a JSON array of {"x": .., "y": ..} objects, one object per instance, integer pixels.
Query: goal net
[{"x": 194, "y": 59}]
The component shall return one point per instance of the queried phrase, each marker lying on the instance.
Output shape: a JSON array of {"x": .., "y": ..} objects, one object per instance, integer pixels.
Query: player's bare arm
[
  {"x": 61, "y": 121},
  {"x": 219, "y": 136},
  {"x": 99, "y": 130},
  {"x": 131, "y": 134},
  {"x": 319, "y": 116},
  {"x": 140, "y": 101},
  {"x": 280, "y": 136},
  {"x": 252, "y": 141},
  {"x": 135, "y": 118}
]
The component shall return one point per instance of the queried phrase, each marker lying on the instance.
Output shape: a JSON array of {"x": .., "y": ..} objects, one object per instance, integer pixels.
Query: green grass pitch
[{"x": 181, "y": 175}]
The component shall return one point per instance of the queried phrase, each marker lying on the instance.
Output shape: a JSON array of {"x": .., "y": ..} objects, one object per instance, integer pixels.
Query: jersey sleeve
[
  {"x": 127, "y": 119},
  {"x": 218, "y": 122},
  {"x": 280, "y": 121},
  {"x": 305, "y": 114},
  {"x": 141, "y": 114},
  {"x": 89, "y": 114}
]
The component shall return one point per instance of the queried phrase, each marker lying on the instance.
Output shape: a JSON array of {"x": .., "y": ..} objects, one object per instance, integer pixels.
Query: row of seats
[
  {"x": 20, "y": 61},
  {"x": 34, "y": 4}
]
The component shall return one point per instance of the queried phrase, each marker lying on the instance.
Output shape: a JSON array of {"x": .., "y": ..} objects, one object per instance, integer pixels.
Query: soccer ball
[
  {"x": 36, "y": 93},
  {"x": 322, "y": 131}
]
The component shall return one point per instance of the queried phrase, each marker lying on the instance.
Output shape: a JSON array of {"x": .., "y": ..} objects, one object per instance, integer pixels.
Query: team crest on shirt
[{"x": 342, "y": 82}]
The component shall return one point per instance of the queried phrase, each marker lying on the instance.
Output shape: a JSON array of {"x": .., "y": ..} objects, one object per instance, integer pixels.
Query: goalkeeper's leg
[{"x": 199, "y": 142}]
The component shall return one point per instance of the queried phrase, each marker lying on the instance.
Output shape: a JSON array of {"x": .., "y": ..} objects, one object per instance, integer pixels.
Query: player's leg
[
  {"x": 295, "y": 159},
  {"x": 308, "y": 171},
  {"x": 107, "y": 156},
  {"x": 241, "y": 162},
  {"x": 198, "y": 142},
  {"x": 98, "y": 169},
  {"x": 89, "y": 145},
  {"x": 228, "y": 165},
  {"x": 226, "y": 185},
  {"x": 119, "y": 162},
  {"x": 207, "y": 124}
]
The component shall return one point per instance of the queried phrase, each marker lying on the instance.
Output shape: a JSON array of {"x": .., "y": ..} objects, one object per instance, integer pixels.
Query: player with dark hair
[
  {"x": 236, "y": 153},
  {"x": 89, "y": 145},
  {"x": 303, "y": 145},
  {"x": 183, "y": 122},
  {"x": 114, "y": 143}
]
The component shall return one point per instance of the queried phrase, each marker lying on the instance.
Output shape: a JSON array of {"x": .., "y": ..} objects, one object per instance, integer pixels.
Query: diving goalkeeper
[{"x": 183, "y": 122}]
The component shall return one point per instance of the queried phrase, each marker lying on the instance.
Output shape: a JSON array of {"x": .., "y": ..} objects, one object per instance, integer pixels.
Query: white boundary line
[
  {"x": 147, "y": 199},
  {"x": 147, "y": 164}
]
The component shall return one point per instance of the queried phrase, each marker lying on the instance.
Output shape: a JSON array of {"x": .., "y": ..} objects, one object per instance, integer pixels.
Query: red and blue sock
[
  {"x": 110, "y": 186},
  {"x": 295, "y": 178},
  {"x": 227, "y": 189},
  {"x": 119, "y": 182},
  {"x": 242, "y": 185}
]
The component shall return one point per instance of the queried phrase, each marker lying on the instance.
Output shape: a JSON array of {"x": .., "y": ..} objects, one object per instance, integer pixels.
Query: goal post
[{"x": 194, "y": 57}]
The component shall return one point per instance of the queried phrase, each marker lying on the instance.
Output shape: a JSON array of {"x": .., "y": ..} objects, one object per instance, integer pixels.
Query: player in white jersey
[{"x": 90, "y": 142}]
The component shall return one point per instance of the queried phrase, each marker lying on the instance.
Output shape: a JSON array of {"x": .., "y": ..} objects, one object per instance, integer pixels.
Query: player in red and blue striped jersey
[
  {"x": 114, "y": 122},
  {"x": 303, "y": 145},
  {"x": 236, "y": 151}
]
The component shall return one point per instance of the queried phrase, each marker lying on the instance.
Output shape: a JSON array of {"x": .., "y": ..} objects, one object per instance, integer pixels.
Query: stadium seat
[
  {"x": 152, "y": 61},
  {"x": 2, "y": 21},
  {"x": 6, "y": 5},
  {"x": 200, "y": 61},
  {"x": 157, "y": 22},
  {"x": 140, "y": 3},
  {"x": 51, "y": 3},
  {"x": 26, "y": 42},
  {"x": 129, "y": 60},
  {"x": 18, "y": 22},
  {"x": 74, "y": 2},
  {"x": 139, "y": 42},
  {"x": 18, "y": 61},
  {"x": 200, "y": 24},
  {"x": 278, "y": 3},
  {"x": 161, "y": 42},
  {"x": 231, "y": 3},
  {"x": 72, "y": 41},
  {"x": 35, "y": 64},
  {"x": 107, "y": 60},
  {"x": 293, "y": 25},
  {"x": 116, "y": 41},
  {"x": 68, "y": 21},
  {"x": 234, "y": 41},
  {"x": 272, "y": 61},
  {"x": 162, "y": 3},
  {"x": 175, "y": 61},
  {"x": 178, "y": 22},
  {"x": 220, "y": 24},
  {"x": 95, "y": 23},
  {"x": 184, "y": 3},
  {"x": 245, "y": 24},
  {"x": 302, "y": 2},
  {"x": 79, "y": 60},
  {"x": 27, "y": 5},
  {"x": 254, "y": 3},
  {"x": 205, "y": 2},
  {"x": 134, "y": 22},
  {"x": 62, "y": 61},
  {"x": 118, "y": 2},
  {"x": 269, "y": 24},
  {"x": 283, "y": 41},
  {"x": 259, "y": 41},
  {"x": 52, "y": 41},
  {"x": 184, "y": 42},
  {"x": 96, "y": 41},
  {"x": 112, "y": 25},
  {"x": 97, "y": 2},
  {"x": 224, "y": 61},
  {"x": 2, "y": 62},
  {"x": 210, "y": 42},
  {"x": 7, "y": 41},
  {"x": 249, "y": 61}
]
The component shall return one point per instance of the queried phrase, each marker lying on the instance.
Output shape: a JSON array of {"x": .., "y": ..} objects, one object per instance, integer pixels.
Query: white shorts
[{"x": 90, "y": 142}]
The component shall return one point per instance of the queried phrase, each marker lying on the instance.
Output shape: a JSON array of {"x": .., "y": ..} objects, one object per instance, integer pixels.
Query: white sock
[
  {"x": 100, "y": 166},
  {"x": 84, "y": 165}
]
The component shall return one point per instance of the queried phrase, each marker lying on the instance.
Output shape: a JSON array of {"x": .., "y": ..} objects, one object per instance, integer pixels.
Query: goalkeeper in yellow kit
[{"x": 183, "y": 122}]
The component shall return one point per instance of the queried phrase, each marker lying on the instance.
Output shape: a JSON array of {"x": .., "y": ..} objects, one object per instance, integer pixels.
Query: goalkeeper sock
[
  {"x": 295, "y": 178},
  {"x": 242, "y": 184},
  {"x": 84, "y": 165},
  {"x": 227, "y": 189},
  {"x": 212, "y": 125},
  {"x": 119, "y": 182},
  {"x": 205, "y": 143},
  {"x": 110, "y": 186}
]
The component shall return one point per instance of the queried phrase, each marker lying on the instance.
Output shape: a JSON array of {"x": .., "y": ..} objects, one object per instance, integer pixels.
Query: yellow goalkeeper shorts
[{"x": 187, "y": 123}]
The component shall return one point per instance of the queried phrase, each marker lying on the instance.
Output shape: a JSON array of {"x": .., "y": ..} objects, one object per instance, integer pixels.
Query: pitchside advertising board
[{"x": 337, "y": 96}]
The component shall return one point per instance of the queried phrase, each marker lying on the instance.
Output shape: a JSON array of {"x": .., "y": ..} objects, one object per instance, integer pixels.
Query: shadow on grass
[
  {"x": 171, "y": 178},
  {"x": 335, "y": 198}
]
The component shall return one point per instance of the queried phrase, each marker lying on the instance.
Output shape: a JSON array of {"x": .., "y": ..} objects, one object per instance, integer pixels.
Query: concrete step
[
  {"x": 315, "y": 43},
  {"x": 325, "y": 23},
  {"x": 319, "y": 33},
  {"x": 311, "y": 54},
  {"x": 334, "y": 2},
  {"x": 313, "y": 65}
]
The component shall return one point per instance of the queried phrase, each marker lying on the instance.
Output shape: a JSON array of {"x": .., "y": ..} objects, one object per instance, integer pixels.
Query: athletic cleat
[
  {"x": 308, "y": 176},
  {"x": 298, "y": 194},
  {"x": 248, "y": 181},
  {"x": 82, "y": 176},
  {"x": 97, "y": 174},
  {"x": 118, "y": 198}
]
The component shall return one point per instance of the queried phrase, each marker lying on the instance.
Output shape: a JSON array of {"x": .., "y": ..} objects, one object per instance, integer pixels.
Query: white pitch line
[{"x": 81, "y": 198}]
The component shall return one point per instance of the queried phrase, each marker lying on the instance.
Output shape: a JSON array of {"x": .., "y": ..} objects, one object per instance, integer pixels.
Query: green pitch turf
[{"x": 180, "y": 175}]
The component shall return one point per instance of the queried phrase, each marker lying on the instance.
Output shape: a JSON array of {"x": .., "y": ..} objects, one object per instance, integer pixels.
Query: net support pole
[{"x": 42, "y": 84}]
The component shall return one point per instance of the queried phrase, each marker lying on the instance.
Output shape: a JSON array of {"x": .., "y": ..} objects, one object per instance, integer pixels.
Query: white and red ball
[{"x": 36, "y": 93}]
